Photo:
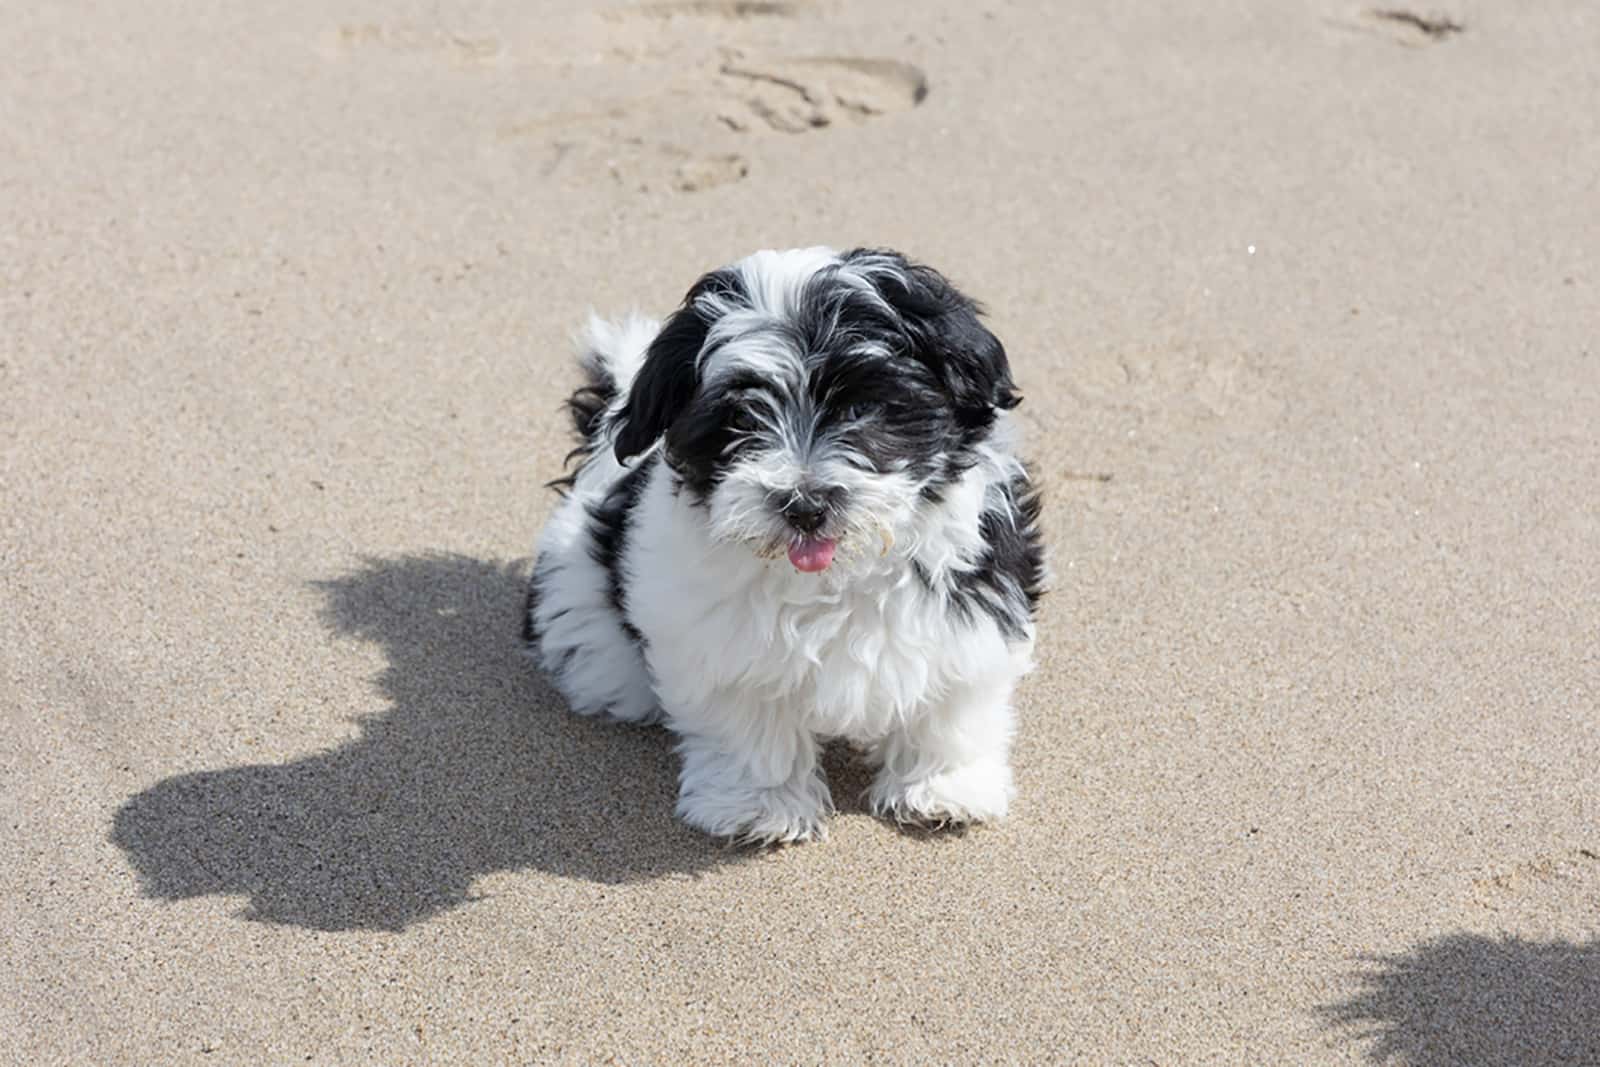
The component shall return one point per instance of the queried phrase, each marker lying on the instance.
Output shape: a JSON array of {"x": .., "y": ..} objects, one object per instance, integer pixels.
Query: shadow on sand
[
  {"x": 1465, "y": 999},
  {"x": 477, "y": 767}
]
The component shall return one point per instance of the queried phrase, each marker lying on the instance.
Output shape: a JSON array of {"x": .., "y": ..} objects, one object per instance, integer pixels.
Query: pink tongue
[{"x": 812, "y": 554}]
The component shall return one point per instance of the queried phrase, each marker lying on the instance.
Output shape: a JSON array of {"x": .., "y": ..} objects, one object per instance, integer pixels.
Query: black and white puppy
[{"x": 799, "y": 515}]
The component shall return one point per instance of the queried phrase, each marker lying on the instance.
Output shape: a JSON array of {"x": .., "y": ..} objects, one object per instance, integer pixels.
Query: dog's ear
[
  {"x": 670, "y": 373},
  {"x": 945, "y": 333}
]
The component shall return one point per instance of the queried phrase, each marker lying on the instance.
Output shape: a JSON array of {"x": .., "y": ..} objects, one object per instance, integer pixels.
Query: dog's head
[{"x": 807, "y": 399}]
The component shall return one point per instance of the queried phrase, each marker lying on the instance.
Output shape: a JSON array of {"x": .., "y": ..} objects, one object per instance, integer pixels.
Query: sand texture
[{"x": 1305, "y": 301}]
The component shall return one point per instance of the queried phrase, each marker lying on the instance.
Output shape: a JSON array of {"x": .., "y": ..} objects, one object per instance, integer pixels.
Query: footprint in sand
[
  {"x": 686, "y": 171},
  {"x": 799, "y": 95},
  {"x": 689, "y": 129},
  {"x": 787, "y": 95},
  {"x": 720, "y": 106}
]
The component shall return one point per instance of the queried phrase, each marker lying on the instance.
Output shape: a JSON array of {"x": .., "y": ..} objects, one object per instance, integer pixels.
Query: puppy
[{"x": 799, "y": 514}]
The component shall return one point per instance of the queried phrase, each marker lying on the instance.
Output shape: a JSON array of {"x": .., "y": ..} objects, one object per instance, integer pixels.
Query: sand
[{"x": 1304, "y": 303}]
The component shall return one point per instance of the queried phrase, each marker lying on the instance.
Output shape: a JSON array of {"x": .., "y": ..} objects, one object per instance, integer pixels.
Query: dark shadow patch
[
  {"x": 932, "y": 832},
  {"x": 476, "y": 767},
  {"x": 1465, "y": 999},
  {"x": 849, "y": 774}
]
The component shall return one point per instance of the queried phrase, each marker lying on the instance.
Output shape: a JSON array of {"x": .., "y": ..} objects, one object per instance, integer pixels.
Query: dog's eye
[{"x": 741, "y": 419}]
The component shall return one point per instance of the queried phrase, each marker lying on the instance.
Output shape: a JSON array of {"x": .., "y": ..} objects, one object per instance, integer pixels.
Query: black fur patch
[
  {"x": 670, "y": 375},
  {"x": 1008, "y": 578},
  {"x": 609, "y": 522},
  {"x": 943, "y": 330}
]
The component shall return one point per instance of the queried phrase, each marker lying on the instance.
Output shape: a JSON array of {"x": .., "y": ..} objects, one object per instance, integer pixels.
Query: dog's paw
[
  {"x": 977, "y": 792},
  {"x": 785, "y": 814}
]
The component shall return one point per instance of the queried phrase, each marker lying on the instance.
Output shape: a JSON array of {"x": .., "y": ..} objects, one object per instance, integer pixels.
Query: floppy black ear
[
  {"x": 945, "y": 333},
  {"x": 664, "y": 384},
  {"x": 667, "y": 380}
]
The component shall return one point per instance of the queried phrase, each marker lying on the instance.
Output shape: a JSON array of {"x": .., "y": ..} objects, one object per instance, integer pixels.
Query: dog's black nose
[{"x": 805, "y": 514}]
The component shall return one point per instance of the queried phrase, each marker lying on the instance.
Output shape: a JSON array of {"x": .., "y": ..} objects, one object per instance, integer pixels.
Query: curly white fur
[{"x": 753, "y": 663}]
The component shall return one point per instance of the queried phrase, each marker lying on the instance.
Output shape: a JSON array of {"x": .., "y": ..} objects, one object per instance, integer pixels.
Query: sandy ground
[{"x": 1304, "y": 301}]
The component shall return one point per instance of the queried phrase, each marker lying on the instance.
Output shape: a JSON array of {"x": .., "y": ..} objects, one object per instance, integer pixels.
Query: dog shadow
[
  {"x": 1481, "y": 1000},
  {"x": 476, "y": 767}
]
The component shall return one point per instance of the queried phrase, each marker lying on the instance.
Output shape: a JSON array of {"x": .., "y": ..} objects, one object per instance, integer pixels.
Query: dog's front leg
[
  {"x": 951, "y": 764},
  {"x": 753, "y": 777}
]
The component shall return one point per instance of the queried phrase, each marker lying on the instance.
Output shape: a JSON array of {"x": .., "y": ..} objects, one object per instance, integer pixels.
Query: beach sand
[{"x": 1303, "y": 300}]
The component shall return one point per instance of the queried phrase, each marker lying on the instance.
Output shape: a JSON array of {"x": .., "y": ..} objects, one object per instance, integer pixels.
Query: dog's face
[{"x": 811, "y": 401}]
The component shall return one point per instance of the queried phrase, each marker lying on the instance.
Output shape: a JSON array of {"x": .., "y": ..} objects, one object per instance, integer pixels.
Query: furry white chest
[{"x": 854, "y": 652}]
